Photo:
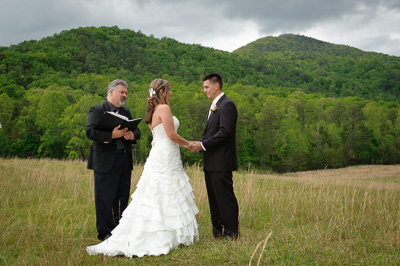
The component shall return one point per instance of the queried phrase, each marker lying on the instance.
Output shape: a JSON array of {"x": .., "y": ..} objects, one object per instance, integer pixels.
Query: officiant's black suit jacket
[
  {"x": 103, "y": 150},
  {"x": 219, "y": 138}
]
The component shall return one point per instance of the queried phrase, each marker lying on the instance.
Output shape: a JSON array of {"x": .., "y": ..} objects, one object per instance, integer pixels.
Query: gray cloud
[
  {"x": 370, "y": 25},
  {"x": 287, "y": 15}
]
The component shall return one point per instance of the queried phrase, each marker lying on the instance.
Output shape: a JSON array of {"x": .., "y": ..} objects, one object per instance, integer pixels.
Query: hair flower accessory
[
  {"x": 152, "y": 92},
  {"x": 214, "y": 108}
]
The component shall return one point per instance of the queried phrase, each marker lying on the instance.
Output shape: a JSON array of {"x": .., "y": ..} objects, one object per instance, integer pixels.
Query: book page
[{"x": 120, "y": 116}]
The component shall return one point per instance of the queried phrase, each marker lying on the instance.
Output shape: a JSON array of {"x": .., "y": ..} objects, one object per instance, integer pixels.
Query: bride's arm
[{"x": 168, "y": 123}]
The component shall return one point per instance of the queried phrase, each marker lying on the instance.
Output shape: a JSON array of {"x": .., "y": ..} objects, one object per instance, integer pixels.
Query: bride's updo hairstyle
[{"x": 157, "y": 95}]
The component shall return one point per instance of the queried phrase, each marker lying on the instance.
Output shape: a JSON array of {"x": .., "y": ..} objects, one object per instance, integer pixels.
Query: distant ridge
[
  {"x": 298, "y": 43},
  {"x": 289, "y": 61}
]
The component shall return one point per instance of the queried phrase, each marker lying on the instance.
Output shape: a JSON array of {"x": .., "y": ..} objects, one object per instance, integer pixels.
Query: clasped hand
[
  {"x": 119, "y": 133},
  {"x": 194, "y": 146}
]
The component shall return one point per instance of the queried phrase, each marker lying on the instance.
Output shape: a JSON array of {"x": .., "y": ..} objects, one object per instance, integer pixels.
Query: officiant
[{"x": 111, "y": 159}]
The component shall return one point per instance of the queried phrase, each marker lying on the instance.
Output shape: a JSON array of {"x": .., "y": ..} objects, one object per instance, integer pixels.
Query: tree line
[{"x": 295, "y": 132}]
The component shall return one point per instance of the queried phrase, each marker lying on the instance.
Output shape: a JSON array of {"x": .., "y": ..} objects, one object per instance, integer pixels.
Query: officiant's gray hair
[{"x": 113, "y": 85}]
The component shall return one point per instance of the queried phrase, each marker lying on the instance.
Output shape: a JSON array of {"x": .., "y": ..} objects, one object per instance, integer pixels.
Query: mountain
[
  {"x": 321, "y": 67},
  {"x": 298, "y": 44},
  {"x": 107, "y": 50},
  {"x": 289, "y": 61}
]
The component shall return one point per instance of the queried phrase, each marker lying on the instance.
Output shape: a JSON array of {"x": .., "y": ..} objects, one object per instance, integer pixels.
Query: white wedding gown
[{"x": 161, "y": 214}]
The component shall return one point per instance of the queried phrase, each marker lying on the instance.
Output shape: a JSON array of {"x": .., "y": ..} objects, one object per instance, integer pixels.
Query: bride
[{"x": 161, "y": 214}]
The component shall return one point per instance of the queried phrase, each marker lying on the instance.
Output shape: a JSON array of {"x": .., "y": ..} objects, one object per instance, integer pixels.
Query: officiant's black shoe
[
  {"x": 103, "y": 237},
  {"x": 107, "y": 237}
]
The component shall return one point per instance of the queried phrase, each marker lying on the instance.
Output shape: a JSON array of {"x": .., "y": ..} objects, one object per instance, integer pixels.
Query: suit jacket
[
  {"x": 104, "y": 148},
  {"x": 219, "y": 138}
]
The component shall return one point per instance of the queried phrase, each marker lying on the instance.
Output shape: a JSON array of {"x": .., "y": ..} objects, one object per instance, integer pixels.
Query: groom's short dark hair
[{"x": 214, "y": 78}]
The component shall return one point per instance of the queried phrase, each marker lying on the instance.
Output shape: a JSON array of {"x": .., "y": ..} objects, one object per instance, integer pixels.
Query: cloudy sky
[{"x": 370, "y": 25}]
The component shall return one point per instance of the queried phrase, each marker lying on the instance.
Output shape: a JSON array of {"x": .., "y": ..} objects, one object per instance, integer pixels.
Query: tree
[
  {"x": 72, "y": 126},
  {"x": 292, "y": 144},
  {"x": 50, "y": 108},
  {"x": 26, "y": 131},
  {"x": 6, "y": 112},
  {"x": 268, "y": 122},
  {"x": 357, "y": 137}
]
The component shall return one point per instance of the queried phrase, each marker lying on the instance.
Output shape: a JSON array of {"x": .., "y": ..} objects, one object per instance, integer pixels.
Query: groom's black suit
[
  {"x": 219, "y": 141},
  {"x": 111, "y": 160}
]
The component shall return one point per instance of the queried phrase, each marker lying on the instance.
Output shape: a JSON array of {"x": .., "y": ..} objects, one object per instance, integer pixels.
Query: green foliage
[
  {"x": 302, "y": 103},
  {"x": 320, "y": 67},
  {"x": 72, "y": 124},
  {"x": 5, "y": 122}
]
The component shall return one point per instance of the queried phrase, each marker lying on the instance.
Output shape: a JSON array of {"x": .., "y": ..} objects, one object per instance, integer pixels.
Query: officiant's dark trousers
[
  {"x": 223, "y": 204},
  {"x": 111, "y": 193}
]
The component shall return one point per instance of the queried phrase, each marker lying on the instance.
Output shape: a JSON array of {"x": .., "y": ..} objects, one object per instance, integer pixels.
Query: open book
[{"x": 110, "y": 120}]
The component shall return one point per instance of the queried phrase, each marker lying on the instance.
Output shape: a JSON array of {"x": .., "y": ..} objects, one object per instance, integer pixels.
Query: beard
[{"x": 122, "y": 101}]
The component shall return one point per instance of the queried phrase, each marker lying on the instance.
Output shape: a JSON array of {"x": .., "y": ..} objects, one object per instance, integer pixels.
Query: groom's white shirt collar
[
  {"x": 217, "y": 98},
  {"x": 214, "y": 102}
]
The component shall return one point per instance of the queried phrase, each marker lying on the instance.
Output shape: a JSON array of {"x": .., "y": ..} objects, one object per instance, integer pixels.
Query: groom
[{"x": 219, "y": 152}]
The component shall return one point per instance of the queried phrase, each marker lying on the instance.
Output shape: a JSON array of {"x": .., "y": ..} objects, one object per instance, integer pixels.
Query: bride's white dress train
[{"x": 161, "y": 214}]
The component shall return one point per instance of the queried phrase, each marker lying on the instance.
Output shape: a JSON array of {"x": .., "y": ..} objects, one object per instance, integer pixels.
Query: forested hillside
[
  {"x": 320, "y": 67},
  {"x": 303, "y": 103}
]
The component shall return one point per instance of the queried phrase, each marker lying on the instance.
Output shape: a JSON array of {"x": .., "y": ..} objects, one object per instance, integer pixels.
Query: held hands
[{"x": 194, "y": 146}]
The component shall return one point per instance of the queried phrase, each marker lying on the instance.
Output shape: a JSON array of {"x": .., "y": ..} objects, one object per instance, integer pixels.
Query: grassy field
[{"x": 344, "y": 216}]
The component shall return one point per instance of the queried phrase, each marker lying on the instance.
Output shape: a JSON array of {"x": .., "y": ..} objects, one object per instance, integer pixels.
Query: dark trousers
[
  {"x": 111, "y": 194},
  {"x": 224, "y": 207}
]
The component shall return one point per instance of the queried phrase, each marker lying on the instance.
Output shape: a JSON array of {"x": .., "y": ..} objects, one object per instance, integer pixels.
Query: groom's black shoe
[
  {"x": 231, "y": 235},
  {"x": 217, "y": 233},
  {"x": 103, "y": 237}
]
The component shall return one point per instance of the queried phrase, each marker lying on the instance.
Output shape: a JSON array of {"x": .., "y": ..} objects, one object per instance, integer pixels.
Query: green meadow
[{"x": 347, "y": 216}]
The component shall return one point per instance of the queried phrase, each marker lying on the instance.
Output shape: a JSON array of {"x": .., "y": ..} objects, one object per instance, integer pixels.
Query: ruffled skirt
[{"x": 160, "y": 216}]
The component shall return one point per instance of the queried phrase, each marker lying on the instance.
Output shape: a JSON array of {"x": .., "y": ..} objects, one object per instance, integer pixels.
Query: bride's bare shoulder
[{"x": 163, "y": 107}]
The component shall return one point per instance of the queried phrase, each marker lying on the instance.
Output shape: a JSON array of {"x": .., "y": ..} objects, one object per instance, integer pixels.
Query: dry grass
[
  {"x": 368, "y": 176},
  {"x": 342, "y": 216}
]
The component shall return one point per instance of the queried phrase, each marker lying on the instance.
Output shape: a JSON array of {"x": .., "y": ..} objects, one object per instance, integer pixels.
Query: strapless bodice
[{"x": 159, "y": 133}]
